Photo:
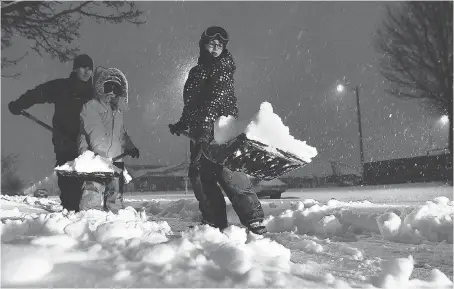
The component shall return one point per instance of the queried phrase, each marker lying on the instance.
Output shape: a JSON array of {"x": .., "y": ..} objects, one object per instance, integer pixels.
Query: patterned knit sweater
[{"x": 209, "y": 94}]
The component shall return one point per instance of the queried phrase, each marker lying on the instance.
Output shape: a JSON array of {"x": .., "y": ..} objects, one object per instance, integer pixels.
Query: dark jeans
[
  {"x": 207, "y": 179},
  {"x": 70, "y": 188}
]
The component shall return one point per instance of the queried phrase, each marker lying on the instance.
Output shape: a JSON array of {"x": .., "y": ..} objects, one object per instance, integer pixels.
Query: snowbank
[
  {"x": 224, "y": 259},
  {"x": 265, "y": 127},
  {"x": 20, "y": 206},
  {"x": 396, "y": 273},
  {"x": 430, "y": 222},
  {"x": 129, "y": 250}
]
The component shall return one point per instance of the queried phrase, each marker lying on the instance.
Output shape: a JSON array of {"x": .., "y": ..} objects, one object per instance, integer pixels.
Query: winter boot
[
  {"x": 257, "y": 228},
  {"x": 204, "y": 222}
]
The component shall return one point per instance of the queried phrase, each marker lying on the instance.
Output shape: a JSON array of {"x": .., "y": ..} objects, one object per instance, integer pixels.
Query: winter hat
[
  {"x": 83, "y": 60},
  {"x": 214, "y": 32}
]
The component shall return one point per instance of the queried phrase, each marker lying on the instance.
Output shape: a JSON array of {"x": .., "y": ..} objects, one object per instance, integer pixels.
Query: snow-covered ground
[{"x": 388, "y": 236}]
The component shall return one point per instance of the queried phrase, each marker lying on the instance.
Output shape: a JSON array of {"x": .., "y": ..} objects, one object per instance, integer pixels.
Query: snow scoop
[
  {"x": 251, "y": 157},
  {"x": 93, "y": 175}
]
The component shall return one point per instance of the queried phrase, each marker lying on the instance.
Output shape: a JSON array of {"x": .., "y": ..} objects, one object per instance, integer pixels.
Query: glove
[
  {"x": 14, "y": 109},
  {"x": 177, "y": 128},
  {"x": 134, "y": 153}
]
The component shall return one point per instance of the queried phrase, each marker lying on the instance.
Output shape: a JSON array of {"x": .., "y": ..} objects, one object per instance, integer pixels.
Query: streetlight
[
  {"x": 440, "y": 124},
  {"x": 340, "y": 88},
  {"x": 444, "y": 120}
]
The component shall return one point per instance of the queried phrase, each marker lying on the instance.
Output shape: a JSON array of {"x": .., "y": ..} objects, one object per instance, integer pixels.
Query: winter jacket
[
  {"x": 68, "y": 95},
  {"x": 102, "y": 129},
  {"x": 208, "y": 94}
]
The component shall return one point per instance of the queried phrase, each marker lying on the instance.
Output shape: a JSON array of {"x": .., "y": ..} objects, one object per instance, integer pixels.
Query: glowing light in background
[
  {"x": 441, "y": 123},
  {"x": 182, "y": 73},
  {"x": 168, "y": 104},
  {"x": 339, "y": 96},
  {"x": 340, "y": 88},
  {"x": 444, "y": 120}
]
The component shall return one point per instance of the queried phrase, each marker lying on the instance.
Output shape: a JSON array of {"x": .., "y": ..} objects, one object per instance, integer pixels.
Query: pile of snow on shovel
[
  {"x": 88, "y": 162},
  {"x": 265, "y": 127}
]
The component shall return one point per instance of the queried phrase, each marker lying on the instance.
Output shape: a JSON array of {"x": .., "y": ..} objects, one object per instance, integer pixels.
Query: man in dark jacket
[
  {"x": 68, "y": 95},
  {"x": 209, "y": 94}
]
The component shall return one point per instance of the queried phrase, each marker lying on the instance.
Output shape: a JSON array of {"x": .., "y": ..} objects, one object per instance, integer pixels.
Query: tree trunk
[
  {"x": 450, "y": 109},
  {"x": 450, "y": 130}
]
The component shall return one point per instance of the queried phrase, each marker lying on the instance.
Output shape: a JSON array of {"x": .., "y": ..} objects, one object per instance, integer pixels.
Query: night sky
[{"x": 290, "y": 54}]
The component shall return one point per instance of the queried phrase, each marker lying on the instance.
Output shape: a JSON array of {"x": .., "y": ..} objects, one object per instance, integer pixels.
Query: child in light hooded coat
[{"x": 102, "y": 131}]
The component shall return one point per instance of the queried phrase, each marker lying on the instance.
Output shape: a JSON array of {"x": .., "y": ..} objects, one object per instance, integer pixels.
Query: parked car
[
  {"x": 273, "y": 188},
  {"x": 41, "y": 193}
]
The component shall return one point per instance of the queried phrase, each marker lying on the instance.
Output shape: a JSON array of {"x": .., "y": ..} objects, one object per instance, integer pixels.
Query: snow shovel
[
  {"x": 251, "y": 157},
  {"x": 93, "y": 175}
]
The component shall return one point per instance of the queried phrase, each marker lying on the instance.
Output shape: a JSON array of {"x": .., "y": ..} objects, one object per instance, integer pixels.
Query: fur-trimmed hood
[{"x": 101, "y": 75}]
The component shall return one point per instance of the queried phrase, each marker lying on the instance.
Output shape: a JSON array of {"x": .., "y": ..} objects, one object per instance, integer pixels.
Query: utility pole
[{"x": 361, "y": 148}]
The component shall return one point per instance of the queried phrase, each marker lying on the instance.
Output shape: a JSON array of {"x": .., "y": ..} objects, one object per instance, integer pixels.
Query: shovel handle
[
  {"x": 120, "y": 156},
  {"x": 43, "y": 124}
]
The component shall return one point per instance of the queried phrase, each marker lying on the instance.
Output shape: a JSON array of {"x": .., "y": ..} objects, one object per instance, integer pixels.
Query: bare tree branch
[
  {"x": 51, "y": 26},
  {"x": 15, "y": 75},
  {"x": 416, "y": 46},
  {"x": 11, "y": 62}
]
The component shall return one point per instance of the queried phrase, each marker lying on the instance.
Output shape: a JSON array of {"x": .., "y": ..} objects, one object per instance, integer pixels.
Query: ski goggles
[
  {"x": 112, "y": 87},
  {"x": 215, "y": 45},
  {"x": 214, "y": 32}
]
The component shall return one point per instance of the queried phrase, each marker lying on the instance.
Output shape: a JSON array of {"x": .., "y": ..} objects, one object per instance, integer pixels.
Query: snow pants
[
  {"x": 70, "y": 188},
  {"x": 103, "y": 195},
  {"x": 207, "y": 179}
]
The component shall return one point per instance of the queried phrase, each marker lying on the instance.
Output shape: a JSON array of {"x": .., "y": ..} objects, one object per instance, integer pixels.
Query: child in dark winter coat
[{"x": 209, "y": 94}]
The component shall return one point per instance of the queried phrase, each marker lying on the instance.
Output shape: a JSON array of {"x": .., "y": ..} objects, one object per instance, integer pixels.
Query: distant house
[
  {"x": 299, "y": 182},
  {"x": 159, "y": 178}
]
